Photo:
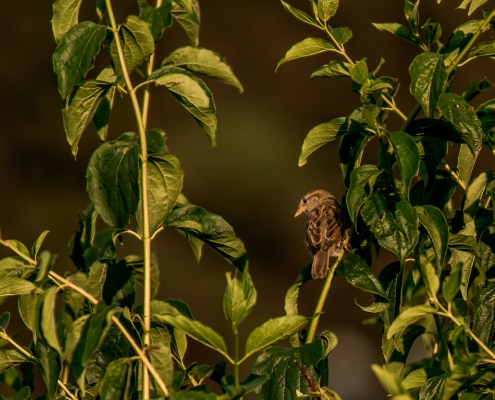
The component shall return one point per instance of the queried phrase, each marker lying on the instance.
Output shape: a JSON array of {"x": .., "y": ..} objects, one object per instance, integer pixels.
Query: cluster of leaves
[{"x": 440, "y": 290}]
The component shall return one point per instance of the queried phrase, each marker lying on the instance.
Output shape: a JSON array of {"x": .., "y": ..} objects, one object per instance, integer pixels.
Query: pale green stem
[
  {"x": 236, "y": 359},
  {"x": 144, "y": 200},
  {"x": 66, "y": 390},
  {"x": 454, "y": 175}
]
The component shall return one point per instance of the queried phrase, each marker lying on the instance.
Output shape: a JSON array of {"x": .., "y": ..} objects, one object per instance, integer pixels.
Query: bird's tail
[{"x": 321, "y": 261}]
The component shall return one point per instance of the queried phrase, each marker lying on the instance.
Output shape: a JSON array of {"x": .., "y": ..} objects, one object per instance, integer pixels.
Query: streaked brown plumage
[{"x": 325, "y": 230}]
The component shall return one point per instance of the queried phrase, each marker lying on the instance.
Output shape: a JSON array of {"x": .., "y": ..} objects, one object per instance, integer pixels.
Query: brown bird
[{"x": 325, "y": 230}]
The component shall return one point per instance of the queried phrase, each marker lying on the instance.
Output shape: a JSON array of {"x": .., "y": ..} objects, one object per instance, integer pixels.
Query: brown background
[{"x": 251, "y": 178}]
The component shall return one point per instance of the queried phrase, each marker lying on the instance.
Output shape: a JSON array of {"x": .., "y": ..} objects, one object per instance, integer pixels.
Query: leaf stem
[
  {"x": 236, "y": 359},
  {"x": 66, "y": 390},
  {"x": 56, "y": 277},
  {"x": 454, "y": 175},
  {"x": 443, "y": 341},
  {"x": 324, "y": 294},
  {"x": 144, "y": 199}
]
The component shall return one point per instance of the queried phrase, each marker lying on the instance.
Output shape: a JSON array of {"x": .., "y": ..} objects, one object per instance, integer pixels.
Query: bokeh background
[{"x": 251, "y": 178}]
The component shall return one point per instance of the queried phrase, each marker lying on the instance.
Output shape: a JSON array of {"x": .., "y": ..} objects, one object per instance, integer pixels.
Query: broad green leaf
[
  {"x": 359, "y": 274},
  {"x": 307, "y": 47},
  {"x": 103, "y": 246},
  {"x": 462, "y": 116},
  {"x": 192, "y": 93},
  {"x": 398, "y": 30},
  {"x": 113, "y": 180},
  {"x": 326, "y": 132},
  {"x": 434, "y": 128},
  {"x": 158, "y": 18},
  {"x": 47, "y": 320},
  {"x": 156, "y": 141},
  {"x": 186, "y": 12},
  {"x": 161, "y": 359},
  {"x": 65, "y": 16},
  {"x": 211, "y": 229},
  {"x": 452, "y": 283},
  {"x": 428, "y": 268},
  {"x": 407, "y": 317},
  {"x": 101, "y": 117},
  {"x": 465, "y": 162},
  {"x": 272, "y": 331},
  {"x": 137, "y": 43},
  {"x": 285, "y": 377},
  {"x": 327, "y": 9},
  {"x": 35, "y": 248},
  {"x": 418, "y": 377},
  {"x": 432, "y": 31},
  {"x": 484, "y": 312},
  {"x": 359, "y": 72},
  {"x": 300, "y": 15},
  {"x": 50, "y": 368},
  {"x": 75, "y": 54},
  {"x": 15, "y": 286},
  {"x": 438, "y": 230},
  {"x": 26, "y": 309},
  {"x": 80, "y": 109},
  {"x": 486, "y": 114},
  {"x": 487, "y": 247},
  {"x": 428, "y": 80},
  {"x": 165, "y": 177},
  {"x": 472, "y": 199},
  {"x": 390, "y": 383},
  {"x": 194, "y": 329},
  {"x": 466, "y": 260},
  {"x": 10, "y": 358},
  {"x": 17, "y": 246},
  {"x": 204, "y": 61},
  {"x": 239, "y": 298},
  {"x": 351, "y": 150},
  {"x": 394, "y": 223},
  {"x": 408, "y": 158},
  {"x": 96, "y": 279},
  {"x": 334, "y": 69},
  {"x": 483, "y": 49},
  {"x": 473, "y": 5},
  {"x": 461, "y": 36},
  {"x": 113, "y": 385},
  {"x": 341, "y": 35},
  {"x": 74, "y": 335},
  {"x": 15, "y": 267}
]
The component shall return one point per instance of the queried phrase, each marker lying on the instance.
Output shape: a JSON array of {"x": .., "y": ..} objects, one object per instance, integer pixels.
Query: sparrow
[{"x": 326, "y": 229}]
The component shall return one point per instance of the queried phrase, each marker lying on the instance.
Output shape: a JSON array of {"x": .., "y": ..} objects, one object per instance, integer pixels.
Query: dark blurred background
[{"x": 251, "y": 178}]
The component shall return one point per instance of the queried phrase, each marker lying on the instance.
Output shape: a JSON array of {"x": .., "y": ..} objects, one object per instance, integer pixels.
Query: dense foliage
[{"x": 91, "y": 337}]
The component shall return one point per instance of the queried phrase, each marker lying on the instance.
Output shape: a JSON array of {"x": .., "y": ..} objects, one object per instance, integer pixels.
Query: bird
[{"x": 326, "y": 229}]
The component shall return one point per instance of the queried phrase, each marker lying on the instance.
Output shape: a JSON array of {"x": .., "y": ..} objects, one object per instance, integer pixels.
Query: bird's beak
[{"x": 300, "y": 211}]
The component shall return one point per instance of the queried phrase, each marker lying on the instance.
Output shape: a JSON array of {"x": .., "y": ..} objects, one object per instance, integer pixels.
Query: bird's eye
[{"x": 304, "y": 201}]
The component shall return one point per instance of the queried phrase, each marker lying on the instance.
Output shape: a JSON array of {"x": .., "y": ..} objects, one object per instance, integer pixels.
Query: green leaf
[
  {"x": 438, "y": 230},
  {"x": 15, "y": 286},
  {"x": 165, "y": 177},
  {"x": 486, "y": 114},
  {"x": 334, "y": 69},
  {"x": 65, "y": 16},
  {"x": 35, "y": 248},
  {"x": 398, "y": 30},
  {"x": 327, "y": 9},
  {"x": 300, "y": 15},
  {"x": 433, "y": 388},
  {"x": 10, "y": 358},
  {"x": 461, "y": 36},
  {"x": 74, "y": 335},
  {"x": 101, "y": 116},
  {"x": 407, "y": 317},
  {"x": 75, "y": 54},
  {"x": 137, "y": 44},
  {"x": 285, "y": 378},
  {"x": 120, "y": 283},
  {"x": 80, "y": 109},
  {"x": 351, "y": 150},
  {"x": 326, "y": 132},
  {"x": 307, "y": 47},
  {"x": 113, "y": 385},
  {"x": 47, "y": 319},
  {"x": 192, "y": 93},
  {"x": 204, "y": 61},
  {"x": 474, "y": 4},
  {"x": 103, "y": 247},
  {"x": 472, "y": 199},
  {"x": 359, "y": 72},
  {"x": 96, "y": 279},
  {"x": 27, "y": 311},
  {"x": 462, "y": 116},
  {"x": 484, "y": 312},
  {"x": 359, "y": 274},
  {"x": 418, "y": 377},
  {"x": 390, "y": 383},
  {"x": 194, "y": 329},
  {"x": 341, "y": 35},
  {"x": 428, "y": 80},
  {"x": 394, "y": 223},
  {"x": 408, "y": 158},
  {"x": 188, "y": 15},
  {"x": 483, "y": 49},
  {"x": 161, "y": 359},
  {"x": 272, "y": 331},
  {"x": 428, "y": 269},
  {"x": 158, "y": 18},
  {"x": 113, "y": 180},
  {"x": 23, "y": 394},
  {"x": 432, "y": 31},
  {"x": 211, "y": 229},
  {"x": 239, "y": 298},
  {"x": 452, "y": 283},
  {"x": 50, "y": 368}
]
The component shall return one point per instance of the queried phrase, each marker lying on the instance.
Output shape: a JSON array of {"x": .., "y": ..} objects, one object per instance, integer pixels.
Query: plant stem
[
  {"x": 411, "y": 117},
  {"x": 443, "y": 341},
  {"x": 158, "y": 380},
  {"x": 454, "y": 175},
  {"x": 323, "y": 296},
  {"x": 66, "y": 390},
  {"x": 144, "y": 199},
  {"x": 236, "y": 358},
  {"x": 146, "y": 95}
]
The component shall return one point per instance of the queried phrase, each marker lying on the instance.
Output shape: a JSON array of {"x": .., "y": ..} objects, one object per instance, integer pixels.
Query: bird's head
[{"x": 311, "y": 200}]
